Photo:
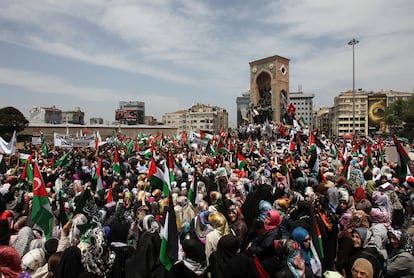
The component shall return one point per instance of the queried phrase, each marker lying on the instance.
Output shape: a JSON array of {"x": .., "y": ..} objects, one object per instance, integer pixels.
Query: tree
[
  {"x": 399, "y": 117},
  {"x": 11, "y": 120}
]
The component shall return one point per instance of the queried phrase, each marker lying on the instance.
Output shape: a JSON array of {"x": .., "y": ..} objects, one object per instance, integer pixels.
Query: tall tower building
[{"x": 304, "y": 107}]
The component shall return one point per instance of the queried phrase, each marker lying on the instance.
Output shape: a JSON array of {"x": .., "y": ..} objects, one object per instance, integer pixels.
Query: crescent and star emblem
[{"x": 38, "y": 184}]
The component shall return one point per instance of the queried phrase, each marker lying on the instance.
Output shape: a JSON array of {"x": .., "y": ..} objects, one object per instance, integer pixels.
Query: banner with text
[{"x": 73, "y": 141}]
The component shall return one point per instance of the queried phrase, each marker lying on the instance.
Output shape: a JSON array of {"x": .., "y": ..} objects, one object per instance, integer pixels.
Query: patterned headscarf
[
  {"x": 149, "y": 224},
  {"x": 98, "y": 258},
  {"x": 295, "y": 260}
]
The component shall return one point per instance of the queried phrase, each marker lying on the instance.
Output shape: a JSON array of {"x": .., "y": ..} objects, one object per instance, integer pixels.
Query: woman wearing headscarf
[
  {"x": 220, "y": 228},
  {"x": 201, "y": 226},
  {"x": 70, "y": 265},
  {"x": 380, "y": 221},
  {"x": 400, "y": 262},
  {"x": 365, "y": 249},
  {"x": 227, "y": 247},
  {"x": 97, "y": 258},
  {"x": 294, "y": 266},
  {"x": 362, "y": 267},
  {"x": 9, "y": 262},
  {"x": 187, "y": 212},
  {"x": 145, "y": 261},
  {"x": 310, "y": 255},
  {"x": 193, "y": 263},
  {"x": 262, "y": 245},
  {"x": 345, "y": 247},
  {"x": 381, "y": 212},
  {"x": 257, "y": 225},
  {"x": 237, "y": 225},
  {"x": 303, "y": 215},
  {"x": 118, "y": 239}
]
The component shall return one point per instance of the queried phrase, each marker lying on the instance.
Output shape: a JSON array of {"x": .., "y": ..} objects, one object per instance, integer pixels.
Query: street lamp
[{"x": 353, "y": 42}]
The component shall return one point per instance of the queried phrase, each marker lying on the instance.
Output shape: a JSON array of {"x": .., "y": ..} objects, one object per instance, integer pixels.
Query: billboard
[
  {"x": 129, "y": 116},
  {"x": 376, "y": 113}
]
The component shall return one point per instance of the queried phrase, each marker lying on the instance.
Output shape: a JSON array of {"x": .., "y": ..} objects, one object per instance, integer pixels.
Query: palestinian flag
[
  {"x": 241, "y": 160},
  {"x": 63, "y": 160},
  {"x": 109, "y": 197},
  {"x": 41, "y": 209},
  {"x": 28, "y": 170},
  {"x": 98, "y": 140},
  {"x": 98, "y": 177},
  {"x": 403, "y": 160},
  {"x": 312, "y": 139},
  {"x": 345, "y": 169},
  {"x": 115, "y": 166},
  {"x": 318, "y": 233},
  {"x": 166, "y": 184},
  {"x": 380, "y": 152},
  {"x": 192, "y": 192},
  {"x": 170, "y": 239},
  {"x": 210, "y": 149},
  {"x": 147, "y": 154},
  {"x": 155, "y": 176},
  {"x": 171, "y": 167}
]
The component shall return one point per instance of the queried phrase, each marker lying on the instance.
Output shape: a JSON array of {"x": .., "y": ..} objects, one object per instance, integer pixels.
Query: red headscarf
[
  {"x": 359, "y": 194},
  {"x": 275, "y": 220},
  {"x": 9, "y": 262}
]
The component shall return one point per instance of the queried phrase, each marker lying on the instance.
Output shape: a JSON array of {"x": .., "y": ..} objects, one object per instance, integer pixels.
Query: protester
[{"x": 159, "y": 206}]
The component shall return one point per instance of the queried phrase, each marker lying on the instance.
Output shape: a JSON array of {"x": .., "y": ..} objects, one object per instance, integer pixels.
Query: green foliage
[
  {"x": 399, "y": 117},
  {"x": 11, "y": 120}
]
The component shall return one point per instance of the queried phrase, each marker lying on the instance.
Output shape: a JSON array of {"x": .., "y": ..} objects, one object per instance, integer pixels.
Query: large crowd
[{"x": 261, "y": 201}]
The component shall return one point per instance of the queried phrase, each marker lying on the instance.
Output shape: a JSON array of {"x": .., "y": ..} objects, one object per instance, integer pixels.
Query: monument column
[{"x": 269, "y": 86}]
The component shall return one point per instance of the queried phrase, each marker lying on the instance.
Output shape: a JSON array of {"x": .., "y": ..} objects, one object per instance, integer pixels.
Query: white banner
[
  {"x": 195, "y": 138},
  {"x": 73, "y": 141}
]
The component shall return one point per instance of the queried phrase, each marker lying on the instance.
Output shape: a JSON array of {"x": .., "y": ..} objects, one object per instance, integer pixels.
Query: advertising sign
[{"x": 376, "y": 112}]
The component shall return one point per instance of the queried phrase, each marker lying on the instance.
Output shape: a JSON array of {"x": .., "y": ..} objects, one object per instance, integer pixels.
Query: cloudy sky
[{"x": 172, "y": 54}]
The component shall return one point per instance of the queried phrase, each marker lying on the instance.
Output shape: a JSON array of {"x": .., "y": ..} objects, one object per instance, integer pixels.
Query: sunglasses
[{"x": 306, "y": 239}]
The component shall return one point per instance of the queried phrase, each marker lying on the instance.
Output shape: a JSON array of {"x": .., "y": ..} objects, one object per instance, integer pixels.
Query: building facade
[
  {"x": 74, "y": 117},
  {"x": 45, "y": 115},
  {"x": 369, "y": 112},
  {"x": 96, "y": 121},
  {"x": 199, "y": 117},
  {"x": 324, "y": 121},
  {"x": 130, "y": 112},
  {"x": 304, "y": 107}
]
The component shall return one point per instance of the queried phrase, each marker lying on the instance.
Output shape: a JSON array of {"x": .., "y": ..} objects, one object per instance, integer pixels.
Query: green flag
[{"x": 63, "y": 160}]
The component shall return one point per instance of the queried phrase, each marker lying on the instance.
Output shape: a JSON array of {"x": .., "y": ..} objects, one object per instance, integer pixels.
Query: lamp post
[{"x": 353, "y": 42}]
